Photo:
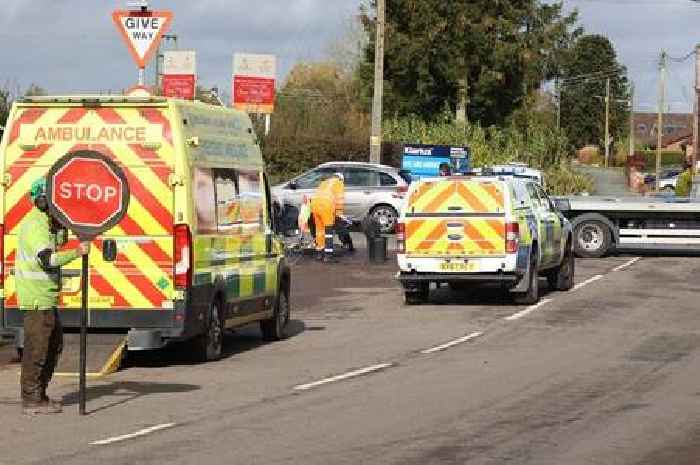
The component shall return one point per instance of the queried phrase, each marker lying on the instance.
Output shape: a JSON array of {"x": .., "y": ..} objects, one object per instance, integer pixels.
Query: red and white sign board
[
  {"x": 179, "y": 74},
  {"x": 142, "y": 31},
  {"x": 253, "y": 82},
  {"x": 88, "y": 193}
]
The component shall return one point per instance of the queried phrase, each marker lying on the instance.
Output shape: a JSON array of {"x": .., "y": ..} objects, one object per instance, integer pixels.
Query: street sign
[
  {"x": 88, "y": 194},
  {"x": 142, "y": 31},
  {"x": 179, "y": 74},
  {"x": 253, "y": 82}
]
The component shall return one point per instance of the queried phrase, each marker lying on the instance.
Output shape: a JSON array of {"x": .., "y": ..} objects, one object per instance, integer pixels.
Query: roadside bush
[{"x": 563, "y": 180}]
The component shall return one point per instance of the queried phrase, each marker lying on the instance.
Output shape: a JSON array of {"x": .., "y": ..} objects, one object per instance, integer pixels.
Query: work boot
[{"x": 43, "y": 407}]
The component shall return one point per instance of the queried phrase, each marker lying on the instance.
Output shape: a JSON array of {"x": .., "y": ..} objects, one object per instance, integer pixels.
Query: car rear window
[{"x": 386, "y": 180}]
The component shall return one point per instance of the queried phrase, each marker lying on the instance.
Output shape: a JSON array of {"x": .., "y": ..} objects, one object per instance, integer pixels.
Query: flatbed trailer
[{"x": 605, "y": 224}]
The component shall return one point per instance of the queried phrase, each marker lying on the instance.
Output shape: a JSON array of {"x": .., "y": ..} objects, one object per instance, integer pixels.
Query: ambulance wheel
[
  {"x": 561, "y": 278},
  {"x": 417, "y": 296},
  {"x": 275, "y": 328},
  {"x": 532, "y": 295},
  {"x": 209, "y": 345},
  {"x": 592, "y": 239}
]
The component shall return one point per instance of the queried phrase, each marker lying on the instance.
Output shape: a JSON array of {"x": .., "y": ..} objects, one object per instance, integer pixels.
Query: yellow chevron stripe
[{"x": 116, "y": 278}]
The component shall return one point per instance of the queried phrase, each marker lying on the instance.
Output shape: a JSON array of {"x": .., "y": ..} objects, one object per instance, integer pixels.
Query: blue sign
[{"x": 425, "y": 160}]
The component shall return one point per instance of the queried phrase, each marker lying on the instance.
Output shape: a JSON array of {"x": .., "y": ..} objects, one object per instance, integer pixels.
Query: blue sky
[{"x": 71, "y": 45}]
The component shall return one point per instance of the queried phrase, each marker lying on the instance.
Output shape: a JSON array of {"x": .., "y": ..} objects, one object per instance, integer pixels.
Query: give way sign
[
  {"x": 142, "y": 31},
  {"x": 87, "y": 193}
]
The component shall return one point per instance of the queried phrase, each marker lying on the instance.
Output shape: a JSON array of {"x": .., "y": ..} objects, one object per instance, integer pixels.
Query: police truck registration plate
[{"x": 460, "y": 266}]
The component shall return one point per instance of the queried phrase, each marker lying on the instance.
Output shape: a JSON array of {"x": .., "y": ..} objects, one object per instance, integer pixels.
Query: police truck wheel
[
  {"x": 532, "y": 295},
  {"x": 275, "y": 328},
  {"x": 592, "y": 239},
  {"x": 561, "y": 278},
  {"x": 417, "y": 296},
  {"x": 208, "y": 346}
]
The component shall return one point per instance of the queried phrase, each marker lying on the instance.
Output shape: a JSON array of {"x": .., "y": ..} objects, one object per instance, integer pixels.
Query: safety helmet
[
  {"x": 340, "y": 176},
  {"x": 38, "y": 189}
]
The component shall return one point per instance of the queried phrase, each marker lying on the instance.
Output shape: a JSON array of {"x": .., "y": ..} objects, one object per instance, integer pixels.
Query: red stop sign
[{"x": 87, "y": 192}]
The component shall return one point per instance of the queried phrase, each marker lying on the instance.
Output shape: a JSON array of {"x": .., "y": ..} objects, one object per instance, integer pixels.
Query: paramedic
[{"x": 37, "y": 271}]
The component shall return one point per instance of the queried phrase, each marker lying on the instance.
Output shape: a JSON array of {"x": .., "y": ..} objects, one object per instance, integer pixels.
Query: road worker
[
  {"x": 685, "y": 180},
  {"x": 37, "y": 274},
  {"x": 327, "y": 206}
]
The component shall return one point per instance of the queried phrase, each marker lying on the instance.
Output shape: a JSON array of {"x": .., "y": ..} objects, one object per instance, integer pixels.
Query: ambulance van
[{"x": 196, "y": 252}]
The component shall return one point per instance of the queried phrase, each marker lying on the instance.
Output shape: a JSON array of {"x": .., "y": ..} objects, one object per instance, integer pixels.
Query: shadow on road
[
  {"x": 235, "y": 342},
  {"x": 126, "y": 391}
]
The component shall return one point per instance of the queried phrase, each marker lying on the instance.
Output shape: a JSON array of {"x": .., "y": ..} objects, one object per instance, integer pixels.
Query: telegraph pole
[
  {"x": 696, "y": 108},
  {"x": 607, "y": 121},
  {"x": 375, "y": 142},
  {"x": 660, "y": 122},
  {"x": 631, "y": 153}
]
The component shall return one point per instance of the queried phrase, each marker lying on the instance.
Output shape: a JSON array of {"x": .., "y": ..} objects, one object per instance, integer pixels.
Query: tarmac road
[{"x": 605, "y": 374}]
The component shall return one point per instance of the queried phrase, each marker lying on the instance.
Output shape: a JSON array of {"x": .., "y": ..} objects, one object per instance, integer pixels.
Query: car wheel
[
  {"x": 532, "y": 295},
  {"x": 417, "y": 296},
  {"x": 561, "y": 278},
  {"x": 275, "y": 328},
  {"x": 592, "y": 239},
  {"x": 386, "y": 216},
  {"x": 209, "y": 346}
]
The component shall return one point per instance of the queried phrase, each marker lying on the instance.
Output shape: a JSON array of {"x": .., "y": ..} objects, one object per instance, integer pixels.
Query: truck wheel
[
  {"x": 208, "y": 346},
  {"x": 532, "y": 295},
  {"x": 417, "y": 296},
  {"x": 561, "y": 278},
  {"x": 592, "y": 239},
  {"x": 275, "y": 329}
]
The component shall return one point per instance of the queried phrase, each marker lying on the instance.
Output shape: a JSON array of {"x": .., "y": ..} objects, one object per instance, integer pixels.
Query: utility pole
[
  {"x": 660, "y": 122},
  {"x": 696, "y": 108},
  {"x": 557, "y": 90},
  {"x": 375, "y": 141},
  {"x": 461, "y": 116},
  {"x": 631, "y": 153},
  {"x": 607, "y": 121}
]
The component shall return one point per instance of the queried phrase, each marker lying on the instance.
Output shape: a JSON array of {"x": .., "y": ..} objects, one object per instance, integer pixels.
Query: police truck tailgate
[{"x": 459, "y": 218}]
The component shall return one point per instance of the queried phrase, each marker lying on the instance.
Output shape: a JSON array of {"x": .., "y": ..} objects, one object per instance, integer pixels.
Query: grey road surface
[{"x": 604, "y": 374}]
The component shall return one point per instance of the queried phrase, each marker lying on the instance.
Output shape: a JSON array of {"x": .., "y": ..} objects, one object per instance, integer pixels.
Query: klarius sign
[{"x": 88, "y": 193}]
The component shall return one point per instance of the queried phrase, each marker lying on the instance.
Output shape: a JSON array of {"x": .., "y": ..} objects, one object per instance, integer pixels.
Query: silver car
[{"x": 370, "y": 189}]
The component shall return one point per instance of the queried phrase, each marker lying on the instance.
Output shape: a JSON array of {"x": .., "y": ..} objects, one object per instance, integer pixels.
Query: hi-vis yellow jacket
[{"x": 330, "y": 192}]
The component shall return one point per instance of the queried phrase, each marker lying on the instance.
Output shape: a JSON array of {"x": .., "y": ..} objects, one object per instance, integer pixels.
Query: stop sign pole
[{"x": 88, "y": 194}]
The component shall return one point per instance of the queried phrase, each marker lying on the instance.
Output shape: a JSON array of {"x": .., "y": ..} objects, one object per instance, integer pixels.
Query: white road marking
[
  {"x": 452, "y": 343},
  {"x": 587, "y": 282},
  {"x": 528, "y": 310},
  {"x": 136, "y": 434},
  {"x": 627, "y": 265},
  {"x": 349, "y": 374}
]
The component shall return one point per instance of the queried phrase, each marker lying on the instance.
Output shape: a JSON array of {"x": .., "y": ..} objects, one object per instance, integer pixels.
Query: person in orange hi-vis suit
[{"x": 327, "y": 204}]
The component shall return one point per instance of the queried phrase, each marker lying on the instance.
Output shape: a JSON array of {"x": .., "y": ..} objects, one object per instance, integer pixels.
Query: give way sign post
[
  {"x": 88, "y": 194},
  {"x": 142, "y": 31}
]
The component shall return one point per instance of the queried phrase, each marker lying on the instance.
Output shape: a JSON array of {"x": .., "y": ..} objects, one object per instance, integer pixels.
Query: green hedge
[{"x": 667, "y": 159}]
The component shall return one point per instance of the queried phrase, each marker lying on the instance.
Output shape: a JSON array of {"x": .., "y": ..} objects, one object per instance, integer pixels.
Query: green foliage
[
  {"x": 562, "y": 180},
  {"x": 667, "y": 159},
  {"x": 582, "y": 104},
  {"x": 503, "y": 49}
]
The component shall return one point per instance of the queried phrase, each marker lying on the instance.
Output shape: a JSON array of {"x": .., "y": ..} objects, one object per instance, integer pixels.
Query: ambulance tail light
[
  {"x": 182, "y": 253},
  {"x": 401, "y": 237},
  {"x": 512, "y": 237},
  {"x": 2, "y": 256}
]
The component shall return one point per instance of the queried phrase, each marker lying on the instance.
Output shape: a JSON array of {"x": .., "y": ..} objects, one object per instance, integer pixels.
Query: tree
[
  {"x": 504, "y": 49},
  {"x": 591, "y": 62}
]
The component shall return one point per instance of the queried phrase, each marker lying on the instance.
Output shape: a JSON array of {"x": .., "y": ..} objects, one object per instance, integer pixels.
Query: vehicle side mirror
[
  {"x": 292, "y": 185},
  {"x": 109, "y": 250}
]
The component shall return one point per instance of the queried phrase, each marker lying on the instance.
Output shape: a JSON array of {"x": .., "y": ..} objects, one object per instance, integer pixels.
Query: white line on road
[
  {"x": 527, "y": 311},
  {"x": 587, "y": 282},
  {"x": 136, "y": 434},
  {"x": 452, "y": 343},
  {"x": 627, "y": 265},
  {"x": 349, "y": 374}
]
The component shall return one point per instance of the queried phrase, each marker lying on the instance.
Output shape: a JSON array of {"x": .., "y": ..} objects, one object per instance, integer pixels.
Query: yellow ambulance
[{"x": 196, "y": 252}]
